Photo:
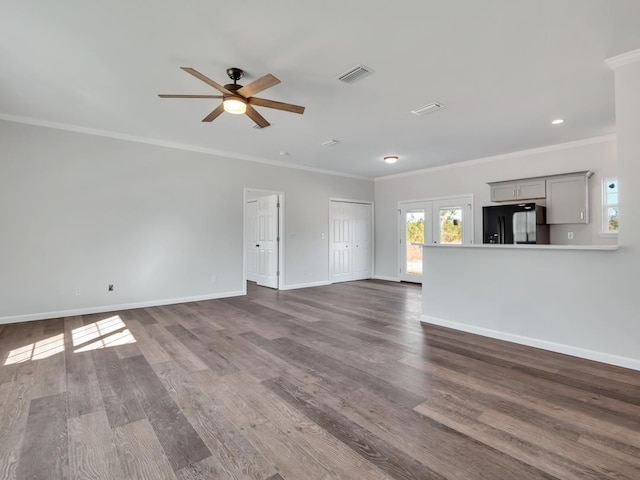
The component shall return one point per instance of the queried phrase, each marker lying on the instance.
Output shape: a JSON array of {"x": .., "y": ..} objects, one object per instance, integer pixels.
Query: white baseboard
[
  {"x": 617, "y": 360},
  {"x": 112, "y": 308},
  {"x": 388, "y": 279},
  {"x": 305, "y": 285}
]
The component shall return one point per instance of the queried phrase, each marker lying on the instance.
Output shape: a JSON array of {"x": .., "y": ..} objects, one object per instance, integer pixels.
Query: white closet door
[
  {"x": 350, "y": 241},
  {"x": 268, "y": 241},
  {"x": 361, "y": 241},
  {"x": 341, "y": 247}
]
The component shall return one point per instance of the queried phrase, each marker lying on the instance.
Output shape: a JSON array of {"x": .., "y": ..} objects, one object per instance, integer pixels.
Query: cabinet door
[
  {"x": 567, "y": 200},
  {"x": 503, "y": 192},
  {"x": 531, "y": 190}
]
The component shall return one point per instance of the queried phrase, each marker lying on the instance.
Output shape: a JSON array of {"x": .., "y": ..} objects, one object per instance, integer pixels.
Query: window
[{"x": 610, "y": 210}]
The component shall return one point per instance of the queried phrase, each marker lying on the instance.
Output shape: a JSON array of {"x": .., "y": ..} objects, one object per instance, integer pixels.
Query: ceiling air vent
[
  {"x": 354, "y": 74},
  {"x": 432, "y": 107},
  {"x": 330, "y": 143}
]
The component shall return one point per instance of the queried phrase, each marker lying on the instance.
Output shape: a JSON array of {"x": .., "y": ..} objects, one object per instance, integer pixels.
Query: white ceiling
[{"x": 503, "y": 68}]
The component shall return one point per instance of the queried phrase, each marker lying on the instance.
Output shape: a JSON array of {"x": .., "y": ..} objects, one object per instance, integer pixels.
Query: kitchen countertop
[{"x": 521, "y": 246}]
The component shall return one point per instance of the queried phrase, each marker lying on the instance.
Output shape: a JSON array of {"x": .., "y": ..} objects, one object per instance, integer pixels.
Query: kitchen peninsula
[{"x": 528, "y": 294}]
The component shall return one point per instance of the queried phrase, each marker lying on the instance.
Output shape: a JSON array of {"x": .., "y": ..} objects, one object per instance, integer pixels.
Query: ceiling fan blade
[
  {"x": 164, "y": 95},
  {"x": 258, "y": 85},
  {"x": 207, "y": 80},
  {"x": 287, "y": 107},
  {"x": 256, "y": 117},
  {"x": 215, "y": 114}
]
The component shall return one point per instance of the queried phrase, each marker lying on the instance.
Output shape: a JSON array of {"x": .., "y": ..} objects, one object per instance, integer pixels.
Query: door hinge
[
  {"x": 400, "y": 270},
  {"x": 278, "y": 204},
  {"x": 278, "y": 274},
  {"x": 277, "y": 239}
]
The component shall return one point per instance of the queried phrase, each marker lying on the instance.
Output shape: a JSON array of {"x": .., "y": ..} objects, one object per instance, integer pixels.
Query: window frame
[{"x": 606, "y": 232}]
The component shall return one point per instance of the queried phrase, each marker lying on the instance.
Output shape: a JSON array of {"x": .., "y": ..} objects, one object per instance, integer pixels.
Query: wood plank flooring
[{"x": 335, "y": 382}]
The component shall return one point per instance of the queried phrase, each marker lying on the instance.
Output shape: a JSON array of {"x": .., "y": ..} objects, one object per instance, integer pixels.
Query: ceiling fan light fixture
[
  {"x": 391, "y": 159},
  {"x": 235, "y": 104}
]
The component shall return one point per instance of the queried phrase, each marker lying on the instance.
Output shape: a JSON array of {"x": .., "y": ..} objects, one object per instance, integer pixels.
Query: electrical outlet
[
  {"x": 111, "y": 287},
  {"x": 78, "y": 291},
  {"x": 214, "y": 278},
  {"x": 570, "y": 235}
]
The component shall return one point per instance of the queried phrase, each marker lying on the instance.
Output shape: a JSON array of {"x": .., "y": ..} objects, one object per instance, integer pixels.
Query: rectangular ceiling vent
[
  {"x": 330, "y": 143},
  {"x": 432, "y": 107},
  {"x": 354, "y": 74}
]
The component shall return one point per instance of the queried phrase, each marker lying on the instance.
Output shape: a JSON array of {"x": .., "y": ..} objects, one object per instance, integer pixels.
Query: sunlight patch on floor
[
  {"x": 37, "y": 351},
  {"x": 109, "y": 332}
]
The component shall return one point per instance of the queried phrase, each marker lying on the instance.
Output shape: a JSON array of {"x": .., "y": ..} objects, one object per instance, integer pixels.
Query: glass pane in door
[
  {"x": 414, "y": 234},
  {"x": 451, "y": 225}
]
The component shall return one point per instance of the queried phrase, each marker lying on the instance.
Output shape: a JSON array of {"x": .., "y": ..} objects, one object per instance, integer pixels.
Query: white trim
[
  {"x": 114, "y": 308},
  {"x": 350, "y": 200},
  {"x": 608, "y": 234},
  {"x": 617, "y": 360},
  {"x": 623, "y": 59},
  {"x": 520, "y": 153},
  {"x": 306, "y": 285},
  {"x": 384, "y": 277},
  {"x": 164, "y": 143},
  {"x": 523, "y": 246}
]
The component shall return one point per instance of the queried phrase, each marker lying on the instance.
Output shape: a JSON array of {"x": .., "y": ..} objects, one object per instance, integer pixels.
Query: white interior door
[
  {"x": 267, "y": 244},
  {"x": 251, "y": 240},
  {"x": 415, "y": 227},
  {"x": 351, "y": 241}
]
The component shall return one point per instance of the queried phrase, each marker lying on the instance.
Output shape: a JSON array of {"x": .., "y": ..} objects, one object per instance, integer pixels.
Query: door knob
[{"x": 257, "y": 245}]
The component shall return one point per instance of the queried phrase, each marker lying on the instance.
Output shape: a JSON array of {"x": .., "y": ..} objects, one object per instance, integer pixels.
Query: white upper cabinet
[
  {"x": 518, "y": 190},
  {"x": 568, "y": 199}
]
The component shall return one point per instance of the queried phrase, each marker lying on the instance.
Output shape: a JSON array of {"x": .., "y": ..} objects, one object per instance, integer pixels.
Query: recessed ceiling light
[
  {"x": 557, "y": 121},
  {"x": 284, "y": 154},
  {"x": 330, "y": 143},
  {"x": 391, "y": 158}
]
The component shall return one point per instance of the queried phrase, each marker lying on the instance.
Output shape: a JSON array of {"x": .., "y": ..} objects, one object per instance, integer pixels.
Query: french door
[{"x": 446, "y": 221}]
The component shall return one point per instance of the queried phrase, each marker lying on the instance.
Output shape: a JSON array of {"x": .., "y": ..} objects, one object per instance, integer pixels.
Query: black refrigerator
[{"x": 523, "y": 223}]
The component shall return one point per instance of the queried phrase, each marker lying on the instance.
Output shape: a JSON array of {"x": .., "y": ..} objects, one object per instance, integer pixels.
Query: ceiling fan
[{"x": 237, "y": 99}]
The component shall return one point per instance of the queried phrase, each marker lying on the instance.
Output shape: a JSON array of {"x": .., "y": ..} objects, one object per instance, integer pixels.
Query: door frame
[
  {"x": 281, "y": 230},
  {"x": 330, "y": 233},
  {"x": 432, "y": 200}
]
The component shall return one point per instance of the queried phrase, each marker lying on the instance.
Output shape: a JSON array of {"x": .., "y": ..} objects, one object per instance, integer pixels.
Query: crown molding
[
  {"x": 167, "y": 144},
  {"x": 505, "y": 156},
  {"x": 624, "y": 59}
]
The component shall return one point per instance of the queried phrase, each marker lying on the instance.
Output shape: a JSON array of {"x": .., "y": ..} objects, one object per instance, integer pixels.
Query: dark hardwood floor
[{"x": 336, "y": 382}]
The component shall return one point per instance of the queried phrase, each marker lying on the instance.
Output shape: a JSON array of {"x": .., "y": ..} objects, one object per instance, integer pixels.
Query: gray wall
[
  {"x": 472, "y": 177},
  {"x": 83, "y": 211}
]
